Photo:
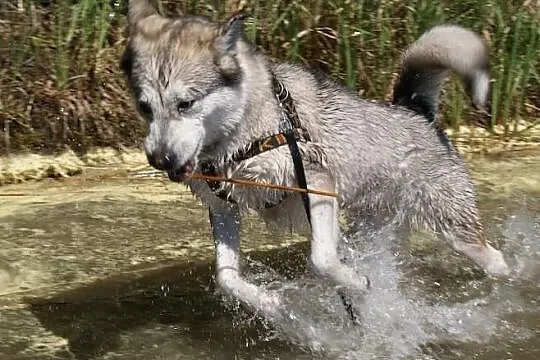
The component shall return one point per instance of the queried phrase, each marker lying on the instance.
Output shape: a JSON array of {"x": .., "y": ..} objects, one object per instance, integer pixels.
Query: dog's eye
[
  {"x": 185, "y": 105},
  {"x": 145, "y": 108}
]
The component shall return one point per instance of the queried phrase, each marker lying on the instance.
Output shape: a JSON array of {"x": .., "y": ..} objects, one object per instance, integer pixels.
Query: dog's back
[{"x": 393, "y": 161}]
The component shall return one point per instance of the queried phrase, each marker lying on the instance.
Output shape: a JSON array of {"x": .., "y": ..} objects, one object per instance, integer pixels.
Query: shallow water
[{"x": 106, "y": 267}]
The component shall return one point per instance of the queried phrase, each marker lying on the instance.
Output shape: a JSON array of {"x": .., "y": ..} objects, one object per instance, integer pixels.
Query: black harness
[{"x": 290, "y": 133}]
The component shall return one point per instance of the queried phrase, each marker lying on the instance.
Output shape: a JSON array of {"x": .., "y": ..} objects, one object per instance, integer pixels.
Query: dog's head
[{"x": 185, "y": 77}]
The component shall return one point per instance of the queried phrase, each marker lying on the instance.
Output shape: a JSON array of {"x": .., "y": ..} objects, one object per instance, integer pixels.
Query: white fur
[{"x": 480, "y": 88}]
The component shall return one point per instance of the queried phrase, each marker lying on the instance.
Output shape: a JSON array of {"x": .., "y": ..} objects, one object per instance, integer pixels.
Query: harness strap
[
  {"x": 299, "y": 170},
  {"x": 290, "y": 133},
  {"x": 268, "y": 143},
  {"x": 289, "y": 122}
]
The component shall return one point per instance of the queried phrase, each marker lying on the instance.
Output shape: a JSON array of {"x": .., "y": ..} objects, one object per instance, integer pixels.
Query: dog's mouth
[{"x": 183, "y": 173}]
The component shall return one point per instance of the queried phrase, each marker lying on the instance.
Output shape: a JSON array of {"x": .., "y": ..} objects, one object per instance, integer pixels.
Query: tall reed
[{"x": 61, "y": 85}]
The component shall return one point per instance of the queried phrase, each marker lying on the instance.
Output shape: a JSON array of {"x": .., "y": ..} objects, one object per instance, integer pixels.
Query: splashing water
[{"x": 399, "y": 318}]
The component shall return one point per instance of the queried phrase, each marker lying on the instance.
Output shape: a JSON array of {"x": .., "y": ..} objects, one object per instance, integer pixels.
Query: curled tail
[{"x": 426, "y": 64}]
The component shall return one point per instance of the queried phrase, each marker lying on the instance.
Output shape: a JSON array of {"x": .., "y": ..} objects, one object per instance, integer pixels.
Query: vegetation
[{"x": 60, "y": 84}]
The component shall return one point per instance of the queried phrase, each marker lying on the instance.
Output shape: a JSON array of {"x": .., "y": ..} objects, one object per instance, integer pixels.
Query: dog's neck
[{"x": 261, "y": 112}]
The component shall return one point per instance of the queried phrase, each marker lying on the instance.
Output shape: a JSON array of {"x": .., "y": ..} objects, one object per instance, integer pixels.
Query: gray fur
[{"x": 383, "y": 161}]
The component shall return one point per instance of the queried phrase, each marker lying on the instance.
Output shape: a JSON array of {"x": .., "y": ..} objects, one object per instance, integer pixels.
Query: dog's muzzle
[
  {"x": 162, "y": 160},
  {"x": 183, "y": 173},
  {"x": 169, "y": 162}
]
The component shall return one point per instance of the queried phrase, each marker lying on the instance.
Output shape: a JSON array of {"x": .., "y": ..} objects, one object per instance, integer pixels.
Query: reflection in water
[
  {"x": 171, "y": 311},
  {"x": 426, "y": 302}
]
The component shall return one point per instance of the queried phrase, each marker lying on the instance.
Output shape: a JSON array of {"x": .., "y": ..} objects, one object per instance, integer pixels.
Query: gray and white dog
[{"x": 206, "y": 93}]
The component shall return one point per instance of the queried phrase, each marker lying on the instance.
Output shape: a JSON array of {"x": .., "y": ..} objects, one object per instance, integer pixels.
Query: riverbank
[{"x": 17, "y": 168}]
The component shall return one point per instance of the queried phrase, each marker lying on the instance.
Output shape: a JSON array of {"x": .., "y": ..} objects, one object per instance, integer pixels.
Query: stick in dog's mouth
[
  {"x": 198, "y": 176},
  {"x": 183, "y": 173}
]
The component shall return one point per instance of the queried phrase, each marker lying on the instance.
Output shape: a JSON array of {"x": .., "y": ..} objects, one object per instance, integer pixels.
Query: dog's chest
[{"x": 273, "y": 167}]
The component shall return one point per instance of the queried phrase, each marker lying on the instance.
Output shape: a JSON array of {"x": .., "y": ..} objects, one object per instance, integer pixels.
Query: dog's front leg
[
  {"x": 326, "y": 236},
  {"x": 225, "y": 227}
]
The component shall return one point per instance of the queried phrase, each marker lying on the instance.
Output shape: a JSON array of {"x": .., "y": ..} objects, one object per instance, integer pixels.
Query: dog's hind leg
[
  {"x": 324, "y": 256},
  {"x": 452, "y": 213},
  {"x": 469, "y": 240},
  {"x": 225, "y": 221}
]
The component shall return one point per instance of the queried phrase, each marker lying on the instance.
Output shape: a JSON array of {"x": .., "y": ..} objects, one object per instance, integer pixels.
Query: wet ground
[{"x": 103, "y": 266}]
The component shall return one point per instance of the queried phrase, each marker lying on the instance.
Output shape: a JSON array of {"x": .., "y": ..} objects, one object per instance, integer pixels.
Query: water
[{"x": 123, "y": 269}]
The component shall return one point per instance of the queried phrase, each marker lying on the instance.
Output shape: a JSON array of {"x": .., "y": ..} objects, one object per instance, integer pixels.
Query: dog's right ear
[{"x": 139, "y": 10}]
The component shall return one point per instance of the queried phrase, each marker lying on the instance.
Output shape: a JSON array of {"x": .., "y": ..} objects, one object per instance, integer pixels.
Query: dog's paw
[
  {"x": 361, "y": 284},
  {"x": 269, "y": 303},
  {"x": 498, "y": 268},
  {"x": 494, "y": 263},
  {"x": 488, "y": 258},
  {"x": 365, "y": 282}
]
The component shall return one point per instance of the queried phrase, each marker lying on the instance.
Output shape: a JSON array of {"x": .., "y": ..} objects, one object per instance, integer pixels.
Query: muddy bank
[
  {"x": 19, "y": 168},
  {"x": 31, "y": 167}
]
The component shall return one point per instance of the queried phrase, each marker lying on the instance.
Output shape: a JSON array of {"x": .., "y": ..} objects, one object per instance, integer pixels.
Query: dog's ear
[
  {"x": 139, "y": 10},
  {"x": 231, "y": 32},
  {"x": 229, "y": 35}
]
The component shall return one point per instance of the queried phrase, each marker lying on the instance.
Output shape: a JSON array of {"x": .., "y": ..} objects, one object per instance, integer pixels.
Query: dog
[{"x": 207, "y": 95}]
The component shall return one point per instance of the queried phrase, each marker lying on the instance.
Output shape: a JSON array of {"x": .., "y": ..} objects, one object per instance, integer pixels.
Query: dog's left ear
[
  {"x": 139, "y": 10},
  {"x": 229, "y": 35},
  {"x": 231, "y": 32}
]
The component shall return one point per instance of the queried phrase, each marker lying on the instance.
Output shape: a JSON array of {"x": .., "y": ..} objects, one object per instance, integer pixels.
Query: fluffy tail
[{"x": 426, "y": 64}]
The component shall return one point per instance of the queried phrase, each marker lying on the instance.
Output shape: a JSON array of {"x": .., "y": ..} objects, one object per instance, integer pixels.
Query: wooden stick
[
  {"x": 199, "y": 176},
  {"x": 244, "y": 182}
]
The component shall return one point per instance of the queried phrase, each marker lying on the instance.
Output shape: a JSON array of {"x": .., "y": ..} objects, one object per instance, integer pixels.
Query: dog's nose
[{"x": 162, "y": 160}]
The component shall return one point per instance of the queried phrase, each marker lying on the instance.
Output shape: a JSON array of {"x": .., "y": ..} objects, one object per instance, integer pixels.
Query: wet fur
[{"x": 388, "y": 161}]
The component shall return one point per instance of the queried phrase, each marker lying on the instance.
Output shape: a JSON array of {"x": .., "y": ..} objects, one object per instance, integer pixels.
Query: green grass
[{"x": 61, "y": 85}]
